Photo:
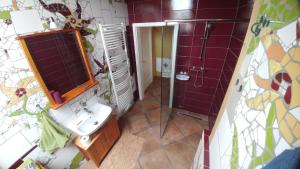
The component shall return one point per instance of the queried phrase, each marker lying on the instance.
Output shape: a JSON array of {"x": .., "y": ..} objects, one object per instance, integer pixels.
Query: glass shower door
[{"x": 165, "y": 76}]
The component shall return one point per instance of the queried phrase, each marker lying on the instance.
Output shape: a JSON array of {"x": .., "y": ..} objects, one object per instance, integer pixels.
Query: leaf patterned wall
[
  {"x": 263, "y": 119},
  {"x": 19, "y": 91}
]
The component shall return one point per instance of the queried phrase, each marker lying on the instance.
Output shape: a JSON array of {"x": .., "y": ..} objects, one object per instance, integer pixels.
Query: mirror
[{"x": 60, "y": 64}]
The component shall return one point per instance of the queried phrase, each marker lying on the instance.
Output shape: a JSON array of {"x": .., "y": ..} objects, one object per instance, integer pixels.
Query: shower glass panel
[{"x": 165, "y": 75}]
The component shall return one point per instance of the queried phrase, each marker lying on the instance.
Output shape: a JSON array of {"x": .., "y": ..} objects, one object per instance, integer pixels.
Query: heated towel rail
[{"x": 115, "y": 48}]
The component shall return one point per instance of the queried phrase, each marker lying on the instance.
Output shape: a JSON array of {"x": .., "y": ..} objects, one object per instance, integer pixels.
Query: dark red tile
[
  {"x": 235, "y": 51},
  {"x": 244, "y": 12},
  {"x": 218, "y": 41},
  {"x": 240, "y": 28},
  {"x": 217, "y": 53},
  {"x": 221, "y": 29},
  {"x": 179, "y": 5},
  {"x": 183, "y": 61},
  {"x": 199, "y": 29},
  {"x": 193, "y": 102},
  {"x": 204, "y": 90},
  {"x": 231, "y": 60},
  {"x": 183, "y": 51},
  {"x": 131, "y": 18},
  {"x": 228, "y": 13},
  {"x": 148, "y": 8},
  {"x": 245, "y": 2},
  {"x": 236, "y": 43},
  {"x": 197, "y": 109},
  {"x": 181, "y": 68},
  {"x": 196, "y": 97},
  {"x": 196, "y": 51},
  {"x": 185, "y": 40},
  {"x": 197, "y": 40},
  {"x": 141, "y": 18},
  {"x": 186, "y": 28},
  {"x": 213, "y": 63},
  {"x": 130, "y": 6},
  {"x": 217, "y": 4},
  {"x": 178, "y": 14}
]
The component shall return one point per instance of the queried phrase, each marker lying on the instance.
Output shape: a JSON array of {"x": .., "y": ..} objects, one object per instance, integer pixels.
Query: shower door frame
[{"x": 138, "y": 60}]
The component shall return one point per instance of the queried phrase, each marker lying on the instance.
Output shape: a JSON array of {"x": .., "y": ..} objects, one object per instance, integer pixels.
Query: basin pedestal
[{"x": 101, "y": 141}]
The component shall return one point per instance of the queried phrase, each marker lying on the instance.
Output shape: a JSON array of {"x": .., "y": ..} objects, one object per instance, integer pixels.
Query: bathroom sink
[{"x": 90, "y": 119}]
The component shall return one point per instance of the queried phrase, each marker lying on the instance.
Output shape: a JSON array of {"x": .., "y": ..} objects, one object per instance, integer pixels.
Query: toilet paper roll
[{"x": 85, "y": 140}]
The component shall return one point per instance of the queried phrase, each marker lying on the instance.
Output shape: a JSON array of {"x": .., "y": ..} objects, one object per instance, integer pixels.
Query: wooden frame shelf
[{"x": 74, "y": 92}]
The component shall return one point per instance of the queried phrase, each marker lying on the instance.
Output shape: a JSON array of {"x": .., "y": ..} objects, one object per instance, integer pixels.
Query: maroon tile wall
[
  {"x": 233, "y": 52},
  {"x": 223, "y": 47}
]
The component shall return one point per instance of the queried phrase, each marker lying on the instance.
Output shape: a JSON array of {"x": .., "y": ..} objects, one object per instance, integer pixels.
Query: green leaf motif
[
  {"x": 16, "y": 113},
  {"x": 76, "y": 161},
  {"x": 234, "y": 163},
  {"x": 92, "y": 31},
  {"x": 27, "y": 125},
  {"x": 88, "y": 45},
  {"x": 268, "y": 152},
  {"x": 5, "y": 14},
  {"x": 280, "y": 12}
]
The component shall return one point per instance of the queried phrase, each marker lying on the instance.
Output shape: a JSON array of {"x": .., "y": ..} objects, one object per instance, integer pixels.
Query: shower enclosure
[
  {"x": 195, "y": 71},
  {"x": 192, "y": 75}
]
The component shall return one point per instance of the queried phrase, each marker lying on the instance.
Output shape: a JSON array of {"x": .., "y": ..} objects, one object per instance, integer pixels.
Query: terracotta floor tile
[
  {"x": 181, "y": 155},
  {"x": 187, "y": 125},
  {"x": 154, "y": 116},
  {"x": 155, "y": 160},
  {"x": 150, "y": 146},
  {"x": 138, "y": 122},
  {"x": 192, "y": 140},
  {"x": 172, "y": 133}
]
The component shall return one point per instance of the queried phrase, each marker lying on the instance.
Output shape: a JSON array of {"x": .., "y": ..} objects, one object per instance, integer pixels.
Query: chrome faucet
[{"x": 87, "y": 110}]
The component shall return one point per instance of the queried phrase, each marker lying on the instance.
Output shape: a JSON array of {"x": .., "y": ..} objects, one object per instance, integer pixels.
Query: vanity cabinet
[{"x": 101, "y": 141}]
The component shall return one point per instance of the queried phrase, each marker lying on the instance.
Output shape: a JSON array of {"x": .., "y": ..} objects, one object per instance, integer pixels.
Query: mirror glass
[{"x": 59, "y": 60}]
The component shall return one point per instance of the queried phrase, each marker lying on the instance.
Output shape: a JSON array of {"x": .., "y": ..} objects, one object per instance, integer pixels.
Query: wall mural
[
  {"x": 21, "y": 98},
  {"x": 262, "y": 117}
]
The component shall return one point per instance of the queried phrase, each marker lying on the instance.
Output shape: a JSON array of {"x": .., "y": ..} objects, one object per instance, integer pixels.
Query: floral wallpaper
[
  {"x": 21, "y": 98},
  {"x": 262, "y": 116}
]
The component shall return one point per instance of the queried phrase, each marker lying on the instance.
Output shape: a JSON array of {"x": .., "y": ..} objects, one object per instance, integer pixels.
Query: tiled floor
[{"x": 176, "y": 149}]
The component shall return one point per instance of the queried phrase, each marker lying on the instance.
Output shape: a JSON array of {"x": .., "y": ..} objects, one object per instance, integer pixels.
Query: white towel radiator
[{"x": 114, "y": 43}]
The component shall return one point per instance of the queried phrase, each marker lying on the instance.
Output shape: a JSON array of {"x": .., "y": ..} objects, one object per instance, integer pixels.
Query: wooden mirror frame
[{"x": 75, "y": 91}]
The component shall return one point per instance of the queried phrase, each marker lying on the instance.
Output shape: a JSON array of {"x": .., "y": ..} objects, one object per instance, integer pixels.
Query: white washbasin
[{"x": 88, "y": 123}]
